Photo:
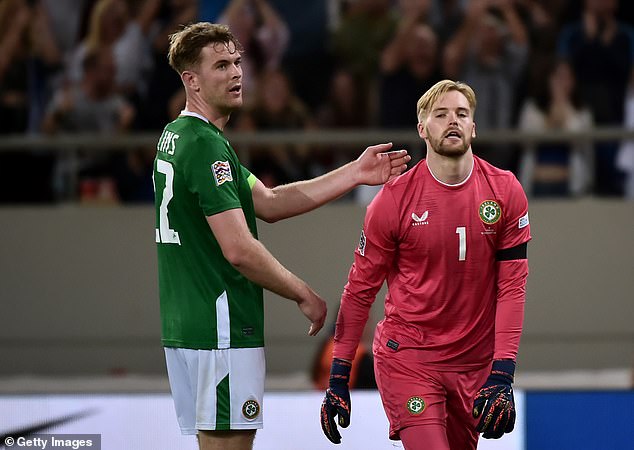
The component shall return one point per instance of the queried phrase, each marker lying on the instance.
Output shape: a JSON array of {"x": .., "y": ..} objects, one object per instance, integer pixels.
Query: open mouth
[
  {"x": 236, "y": 88},
  {"x": 453, "y": 134}
]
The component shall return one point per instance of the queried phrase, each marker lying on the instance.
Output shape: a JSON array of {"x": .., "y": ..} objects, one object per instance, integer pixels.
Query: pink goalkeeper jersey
[{"x": 449, "y": 302}]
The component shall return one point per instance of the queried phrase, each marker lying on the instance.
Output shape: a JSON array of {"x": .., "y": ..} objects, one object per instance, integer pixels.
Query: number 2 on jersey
[
  {"x": 164, "y": 234},
  {"x": 462, "y": 243}
]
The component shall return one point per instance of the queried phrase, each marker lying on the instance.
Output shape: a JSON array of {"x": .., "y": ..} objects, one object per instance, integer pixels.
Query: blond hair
[
  {"x": 186, "y": 44},
  {"x": 429, "y": 98},
  {"x": 95, "y": 36}
]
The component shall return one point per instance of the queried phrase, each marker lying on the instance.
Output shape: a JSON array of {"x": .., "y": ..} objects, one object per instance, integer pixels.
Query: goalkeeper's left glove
[
  {"x": 494, "y": 401},
  {"x": 337, "y": 401}
]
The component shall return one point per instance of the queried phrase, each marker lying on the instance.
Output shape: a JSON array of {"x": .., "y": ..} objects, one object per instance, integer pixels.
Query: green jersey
[{"x": 205, "y": 302}]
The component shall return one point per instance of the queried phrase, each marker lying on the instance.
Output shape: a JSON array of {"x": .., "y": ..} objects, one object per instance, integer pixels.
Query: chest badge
[
  {"x": 420, "y": 220},
  {"x": 490, "y": 212}
]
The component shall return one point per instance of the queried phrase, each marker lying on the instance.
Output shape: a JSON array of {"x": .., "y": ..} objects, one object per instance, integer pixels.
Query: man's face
[
  {"x": 219, "y": 77},
  {"x": 449, "y": 126}
]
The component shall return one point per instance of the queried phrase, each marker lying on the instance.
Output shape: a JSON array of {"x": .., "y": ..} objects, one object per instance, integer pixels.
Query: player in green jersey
[{"x": 212, "y": 268}]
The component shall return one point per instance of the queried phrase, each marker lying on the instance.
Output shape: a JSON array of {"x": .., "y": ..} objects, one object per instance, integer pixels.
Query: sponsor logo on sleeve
[
  {"x": 362, "y": 242},
  {"x": 523, "y": 221},
  {"x": 222, "y": 172}
]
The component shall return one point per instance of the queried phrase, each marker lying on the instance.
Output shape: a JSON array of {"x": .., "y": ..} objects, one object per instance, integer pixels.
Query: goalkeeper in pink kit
[{"x": 449, "y": 236}]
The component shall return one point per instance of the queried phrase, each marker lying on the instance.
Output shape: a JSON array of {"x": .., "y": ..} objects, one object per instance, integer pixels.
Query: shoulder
[
  {"x": 401, "y": 183},
  {"x": 501, "y": 181},
  {"x": 198, "y": 136},
  {"x": 401, "y": 190}
]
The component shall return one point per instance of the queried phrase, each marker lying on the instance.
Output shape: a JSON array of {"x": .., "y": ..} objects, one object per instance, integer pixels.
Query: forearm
[
  {"x": 510, "y": 307},
  {"x": 303, "y": 196},
  {"x": 351, "y": 320},
  {"x": 515, "y": 25},
  {"x": 393, "y": 55},
  {"x": 258, "y": 265}
]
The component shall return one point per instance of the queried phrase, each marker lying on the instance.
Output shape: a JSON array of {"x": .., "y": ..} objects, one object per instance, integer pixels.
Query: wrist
[
  {"x": 354, "y": 173},
  {"x": 503, "y": 369},
  {"x": 340, "y": 371}
]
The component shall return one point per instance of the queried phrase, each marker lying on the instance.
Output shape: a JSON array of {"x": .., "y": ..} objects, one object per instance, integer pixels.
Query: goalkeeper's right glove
[{"x": 337, "y": 400}]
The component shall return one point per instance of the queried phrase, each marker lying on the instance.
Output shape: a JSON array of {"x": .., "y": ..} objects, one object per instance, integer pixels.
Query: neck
[
  {"x": 450, "y": 170},
  {"x": 219, "y": 119}
]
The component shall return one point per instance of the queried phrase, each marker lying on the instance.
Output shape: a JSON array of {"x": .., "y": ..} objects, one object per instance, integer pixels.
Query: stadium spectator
[
  {"x": 165, "y": 97},
  {"x": 212, "y": 268},
  {"x": 446, "y": 17},
  {"x": 365, "y": 28},
  {"x": 410, "y": 64},
  {"x": 14, "y": 54},
  {"x": 264, "y": 35},
  {"x": 558, "y": 169},
  {"x": 93, "y": 105},
  {"x": 112, "y": 24},
  {"x": 345, "y": 108},
  {"x": 600, "y": 51},
  {"x": 450, "y": 237},
  {"x": 55, "y": 32},
  {"x": 489, "y": 52},
  {"x": 277, "y": 108},
  {"x": 345, "y": 105},
  {"x": 25, "y": 175},
  {"x": 543, "y": 23}
]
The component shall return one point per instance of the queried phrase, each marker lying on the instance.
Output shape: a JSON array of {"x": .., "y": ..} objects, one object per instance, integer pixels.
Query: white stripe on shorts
[{"x": 223, "y": 324}]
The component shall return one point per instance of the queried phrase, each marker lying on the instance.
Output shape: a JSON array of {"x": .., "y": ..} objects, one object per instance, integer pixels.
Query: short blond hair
[
  {"x": 429, "y": 98},
  {"x": 186, "y": 44}
]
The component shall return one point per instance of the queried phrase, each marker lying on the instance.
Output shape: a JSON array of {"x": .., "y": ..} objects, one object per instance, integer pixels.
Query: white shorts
[{"x": 216, "y": 389}]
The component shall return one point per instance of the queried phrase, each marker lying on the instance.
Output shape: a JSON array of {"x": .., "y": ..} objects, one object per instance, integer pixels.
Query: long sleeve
[{"x": 372, "y": 260}]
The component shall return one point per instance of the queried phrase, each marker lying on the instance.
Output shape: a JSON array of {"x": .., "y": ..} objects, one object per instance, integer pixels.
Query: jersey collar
[
  {"x": 194, "y": 114},
  {"x": 453, "y": 185},
  {"x": 184, "y": 112}
]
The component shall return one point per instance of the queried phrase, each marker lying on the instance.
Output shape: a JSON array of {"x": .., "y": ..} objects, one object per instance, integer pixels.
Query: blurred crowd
[{"x": 100, "y": 66}]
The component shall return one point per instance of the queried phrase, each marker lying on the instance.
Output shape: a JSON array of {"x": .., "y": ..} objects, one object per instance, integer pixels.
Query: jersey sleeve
[
  {"x": 372, "y": 260},
  {"x": 251, "y": 179},
  {"x": 512, "y": 274},
  {"x": 211, "y": 172},
  {"x": 516, "y": 228}
]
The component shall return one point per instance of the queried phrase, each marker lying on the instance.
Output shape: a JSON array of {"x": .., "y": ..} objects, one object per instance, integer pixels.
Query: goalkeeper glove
[
  {"x": 494, "y": 402},
  {"x": 337, "y": 400}
]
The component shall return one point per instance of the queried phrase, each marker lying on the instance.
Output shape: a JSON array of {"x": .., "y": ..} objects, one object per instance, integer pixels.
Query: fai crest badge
[
  {"x": 222, "y": 172},
  {"x": 490, "y": 212},
  {"x": 250, "y": 409},
  {"x": 416, "y": 405}
]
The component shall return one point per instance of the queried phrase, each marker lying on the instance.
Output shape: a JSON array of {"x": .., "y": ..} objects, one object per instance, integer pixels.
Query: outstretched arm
[
  {"x": 376, "y": 165},
  {"x": 249, "y": 257}
]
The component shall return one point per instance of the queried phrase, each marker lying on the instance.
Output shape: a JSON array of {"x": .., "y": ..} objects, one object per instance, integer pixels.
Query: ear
[
  {"x": 473, "y": 131},
  {"x": 190, "y": 80},
  {"x": 421, "y": 130}
]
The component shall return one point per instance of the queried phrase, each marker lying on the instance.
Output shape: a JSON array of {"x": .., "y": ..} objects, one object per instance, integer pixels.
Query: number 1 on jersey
[
  {"x": 462, "y": 245},
  {"x": 164, "y": 234}
]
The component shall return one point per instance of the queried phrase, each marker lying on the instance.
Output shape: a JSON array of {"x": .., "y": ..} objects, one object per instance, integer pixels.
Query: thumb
[{"x": 344, "y": 417}]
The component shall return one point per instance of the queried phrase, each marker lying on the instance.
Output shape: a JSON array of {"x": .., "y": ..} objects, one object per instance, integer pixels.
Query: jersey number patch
[
  {"x": 164, "y": 234},
  {"x": 462, "y": 243}
]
